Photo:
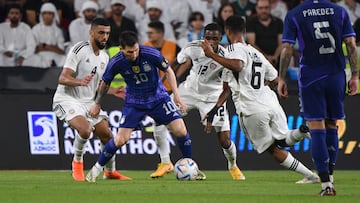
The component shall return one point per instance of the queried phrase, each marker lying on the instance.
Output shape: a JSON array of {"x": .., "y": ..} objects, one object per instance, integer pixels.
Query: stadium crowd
[{"x": 51, "y": 27}]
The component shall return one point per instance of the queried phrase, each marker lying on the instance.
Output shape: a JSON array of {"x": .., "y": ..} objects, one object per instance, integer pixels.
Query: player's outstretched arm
[
  {"x": 285, "y": 57},
  {"x": 232, "y": 64},
  {"x": 67, "y": 78}
]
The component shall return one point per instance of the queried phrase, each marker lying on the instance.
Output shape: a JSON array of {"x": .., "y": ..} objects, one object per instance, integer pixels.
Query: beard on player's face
[{"x": 99, "y": 44}]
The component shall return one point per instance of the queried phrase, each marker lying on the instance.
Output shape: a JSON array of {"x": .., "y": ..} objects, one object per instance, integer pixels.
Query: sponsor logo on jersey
[
  {"x": 43, "y": 132},
  {"x": 136, "y": 69}
]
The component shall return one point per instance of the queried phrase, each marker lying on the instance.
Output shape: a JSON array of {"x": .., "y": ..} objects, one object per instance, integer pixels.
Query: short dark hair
[
  {"x": 128, "y": 38},
  {"x": 235, "y": 24},
  {"x": 213, "y": 27},
  {"x": 99, "y": 21},
  {"x": 13, "y": 6},
  {"x": 195, "y": 15},
  {"x": 157, "y": 25}
]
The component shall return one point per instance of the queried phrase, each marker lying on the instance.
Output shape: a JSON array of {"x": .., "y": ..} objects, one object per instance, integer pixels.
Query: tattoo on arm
[
  {"x": 100, "y": 92},
  {"x": 352, "y": 55},
  {"x": 285, "y": 58}
]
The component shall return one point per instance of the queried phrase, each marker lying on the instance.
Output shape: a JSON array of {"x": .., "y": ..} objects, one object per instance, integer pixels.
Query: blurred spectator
[
  {"x": 278, "y": 9},
  {"x": 17, "y": 44},
  {"x": 208, "y": 8},
  {"x": 49, "y": 38},
  {"x": 168, "y": 49},
  {"x": 179, "y": 12},
  {"x": 104, "y": 7},
  {"x": 244, "y": 8},
  {"x": 118, "y": 22},
  {"x": 135, "y": 10},
  {"x": 226, "y": 10},
  {"x": 155, "y": 12},
  {"x": 32, "y": 10},
  {"x": 264, "y": 32},
  {"x": 352, "y": 7},
  {"x": 195, "y": 30},
  {"x": 356, "y": 26},
  {"x": 80, "y": 27},
  {"x": 4, "y": 7}
]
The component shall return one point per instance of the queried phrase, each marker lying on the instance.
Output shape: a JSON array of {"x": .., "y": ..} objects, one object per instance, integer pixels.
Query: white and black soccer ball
[{"x": 186, "y": 169}]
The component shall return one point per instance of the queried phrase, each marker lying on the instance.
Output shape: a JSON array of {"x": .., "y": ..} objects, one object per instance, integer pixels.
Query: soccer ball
[{"x": 186, "y": 169}]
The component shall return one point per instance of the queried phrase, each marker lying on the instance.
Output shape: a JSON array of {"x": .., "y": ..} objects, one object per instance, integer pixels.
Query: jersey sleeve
[
  {"x": 289, "y": 31},
  {"x": 347, "y": 30},
  {"x": 162, "y": 63},
  {"x": 234, "y": 51},
  {"x": 110, "y": 70},
  {"x": 183, "y": 55},
  {"x": 72, "y": 59}
]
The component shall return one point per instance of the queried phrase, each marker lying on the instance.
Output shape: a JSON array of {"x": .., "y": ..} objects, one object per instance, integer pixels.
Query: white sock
[
  {"x": 110, "y": 165},
  {"x": 295, "y": 165},
  {"x": 293, "y": 137},
  {"x": 160, "y": 136},
  {"x": 324, "y": 185},
  {"x": 230, "y": 155},
  {"x": 79, "y": 144},
  {"x": 331, "y": 178}
]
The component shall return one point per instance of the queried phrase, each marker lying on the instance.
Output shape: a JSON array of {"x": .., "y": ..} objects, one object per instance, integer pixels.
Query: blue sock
[
  {"x": 185, "y": 146},
  {"x": 319, "y": 150},
  {"x": 332, "y": 142},
  {"x": 108, "y": 152}
]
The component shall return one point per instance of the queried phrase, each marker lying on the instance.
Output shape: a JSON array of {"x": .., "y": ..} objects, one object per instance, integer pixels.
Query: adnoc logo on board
[{"x": 43, "y": 132}]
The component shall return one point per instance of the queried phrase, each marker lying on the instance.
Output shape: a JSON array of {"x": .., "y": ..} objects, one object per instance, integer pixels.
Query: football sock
[
  {"x": 160, "y": 136},
  {"x": 108, "y": 152},
  {"x": 320, "y": 153},
  {"x": 79, "y": 144},
  {"x": 109, "y": 166},
  {"x": 185, "y": 146},
  {"x": 230, "y": 155},
  {"x": 295, "y": 165},
  {"x": 332, "y": 142}
]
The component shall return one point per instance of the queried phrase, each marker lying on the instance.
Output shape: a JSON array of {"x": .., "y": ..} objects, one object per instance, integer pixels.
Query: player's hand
[
  {"x": 85, "y": 81},
  {"x": 353, "y": 85},
  {"x": 209, "y": 117},
  {"x": 208, "y": 125},
  {"x": 94, "y": 110},
  {"x": 208, "y": 50},
  {"x": 180, "y": 104},
  {"x": 282, "y": 89},
  {"x": 118, "y": 92}
]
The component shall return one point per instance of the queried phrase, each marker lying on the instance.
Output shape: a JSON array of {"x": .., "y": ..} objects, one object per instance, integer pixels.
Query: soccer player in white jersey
[
  {"x": 260, "y": 115},
  {"x": 78, "y": 81},
  {"x": 200, "y": 91}
]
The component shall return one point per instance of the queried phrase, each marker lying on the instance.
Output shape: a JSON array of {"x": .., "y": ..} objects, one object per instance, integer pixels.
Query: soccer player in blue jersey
[
  {"x": 145, "y": 95},
  {"x": 321, "y": 27}
]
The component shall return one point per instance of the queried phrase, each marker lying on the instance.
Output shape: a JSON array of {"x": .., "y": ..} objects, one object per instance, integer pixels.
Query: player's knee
[
  {"x": 330, "y": 124},
  {"x": 180, "y": 131},
  {"x": 84, "y": 132}
]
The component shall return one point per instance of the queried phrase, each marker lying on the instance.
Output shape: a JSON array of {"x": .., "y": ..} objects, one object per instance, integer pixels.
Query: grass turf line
[{"x": 259, "y": 186}]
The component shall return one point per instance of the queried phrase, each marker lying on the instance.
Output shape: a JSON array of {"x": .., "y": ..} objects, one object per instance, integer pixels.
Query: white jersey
[
  {"x": 250, "y": 95},
  {"x": 82, "y": 59},
  {"x": 205, "y": 75}
]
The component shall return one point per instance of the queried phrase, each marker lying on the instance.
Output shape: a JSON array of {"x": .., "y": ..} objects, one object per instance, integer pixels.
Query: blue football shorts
[
  {"x": 324, "y": 99},
  {"x": 163, "y": 112}
]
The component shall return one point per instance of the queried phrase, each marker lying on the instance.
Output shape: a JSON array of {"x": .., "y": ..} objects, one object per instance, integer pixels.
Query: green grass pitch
[{"x": 259, "y": 186}]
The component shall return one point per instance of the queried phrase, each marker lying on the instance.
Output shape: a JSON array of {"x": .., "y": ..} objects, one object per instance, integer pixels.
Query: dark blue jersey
[
  {"x": 143, "y": 84},
  {"x": 320, "y": 27}
]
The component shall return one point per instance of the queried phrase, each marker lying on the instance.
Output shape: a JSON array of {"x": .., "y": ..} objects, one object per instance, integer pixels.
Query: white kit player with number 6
[
  {"x": 260, "y": 115},
  {"x": 200, "y": 91}
]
